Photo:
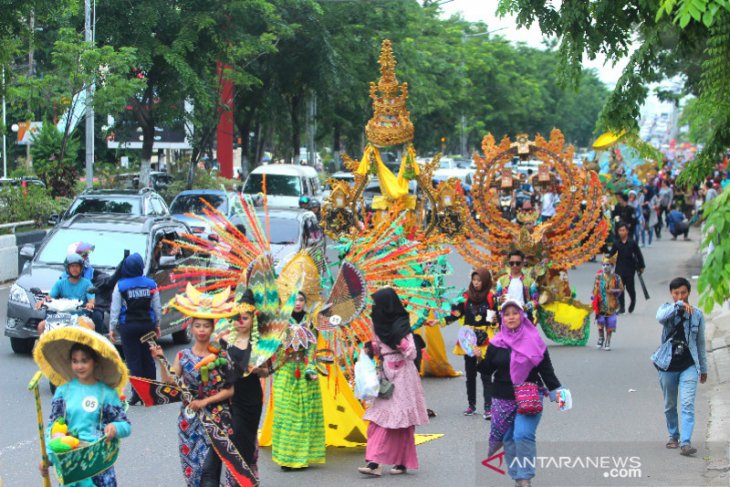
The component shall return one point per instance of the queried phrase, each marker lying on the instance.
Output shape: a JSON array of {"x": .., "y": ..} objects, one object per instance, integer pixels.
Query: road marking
[{"x": 17, "y": 446}]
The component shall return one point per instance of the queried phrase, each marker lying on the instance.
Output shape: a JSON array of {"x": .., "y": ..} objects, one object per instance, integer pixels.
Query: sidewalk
[{"x": 718, "y": 429}]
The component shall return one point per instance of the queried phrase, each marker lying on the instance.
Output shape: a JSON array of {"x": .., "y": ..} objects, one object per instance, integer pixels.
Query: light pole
[
  {"x": 89, "y": 38},
  {"x": 5, "y": 142}
]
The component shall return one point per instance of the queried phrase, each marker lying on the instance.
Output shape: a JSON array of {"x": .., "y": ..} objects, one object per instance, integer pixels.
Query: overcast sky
[{"x": 484, "y": 10}]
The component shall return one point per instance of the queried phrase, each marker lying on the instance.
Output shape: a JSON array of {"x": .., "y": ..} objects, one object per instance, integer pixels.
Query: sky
[{"x": 484, "y": 10}]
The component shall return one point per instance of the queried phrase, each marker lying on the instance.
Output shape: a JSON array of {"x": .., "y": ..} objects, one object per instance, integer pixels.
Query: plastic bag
[
  {"x": 367, "y": 383},
  {"x": 565, "y": 400}
]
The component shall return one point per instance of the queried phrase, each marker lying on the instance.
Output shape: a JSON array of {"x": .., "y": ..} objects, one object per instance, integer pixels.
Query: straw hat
[{"x": 52, "y": 354}]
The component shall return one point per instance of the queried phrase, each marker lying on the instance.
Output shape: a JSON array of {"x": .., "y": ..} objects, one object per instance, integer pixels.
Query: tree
[
  {"x": 74, "y": 65},
  {"x": 54, "y": 156}
]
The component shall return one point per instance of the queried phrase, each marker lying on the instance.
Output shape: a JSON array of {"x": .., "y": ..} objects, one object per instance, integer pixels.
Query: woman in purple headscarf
[{"x": 517, "y": 354}]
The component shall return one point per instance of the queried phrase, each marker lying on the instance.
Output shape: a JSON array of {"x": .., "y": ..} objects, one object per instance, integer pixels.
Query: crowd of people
[{"x": 499, "y": 341}]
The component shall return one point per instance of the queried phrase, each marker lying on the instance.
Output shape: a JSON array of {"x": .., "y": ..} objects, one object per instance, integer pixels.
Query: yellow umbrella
[{"x": 607, "y": 139}]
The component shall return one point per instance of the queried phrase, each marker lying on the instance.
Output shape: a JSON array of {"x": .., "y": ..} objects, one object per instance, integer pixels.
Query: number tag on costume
[
  {"x": 335, "y": 320},
  {"x": 90, "y": 404}
]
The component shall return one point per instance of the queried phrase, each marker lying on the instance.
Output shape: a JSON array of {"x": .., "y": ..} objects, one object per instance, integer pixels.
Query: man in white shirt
[{"x": 548, "y": 205}]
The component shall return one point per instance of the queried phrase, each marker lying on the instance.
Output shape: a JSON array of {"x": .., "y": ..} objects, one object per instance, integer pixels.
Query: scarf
[
  {"x": 527, "y": 348},
  {"x": 391, "y": 322},
  {"x": 479, "y": 296}
]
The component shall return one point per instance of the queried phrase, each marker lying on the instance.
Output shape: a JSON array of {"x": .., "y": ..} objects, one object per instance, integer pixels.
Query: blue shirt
[
  {"x": 694, "y": 331},
  {"x": 64, "y": 288}
]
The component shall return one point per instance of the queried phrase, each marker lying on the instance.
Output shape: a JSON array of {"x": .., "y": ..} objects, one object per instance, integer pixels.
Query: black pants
[
  {"x": 212, "y": 466},
  {"x": 137, "y": 354},
  {"x": 97, "y": 316},
  {"x": 245, "y": 430},
  {"x": 470, "y": 364},
  {"x": 628, "y": 280}
]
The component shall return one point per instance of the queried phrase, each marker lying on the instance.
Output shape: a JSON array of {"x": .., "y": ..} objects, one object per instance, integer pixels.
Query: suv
[
  {"x": 143, "y": 202},
  {"x": 285, "y": 184},
  {"x": 112, "y": 235},
  {"x": 189, "y": 201}
]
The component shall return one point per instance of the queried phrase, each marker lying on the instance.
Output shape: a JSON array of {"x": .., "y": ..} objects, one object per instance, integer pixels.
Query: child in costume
[
  {"x": 606, "y": 291},
  {"x": 213, "y": 389},
  {"x": 478, "y": 308},
  {"x": 88, "y": 369},
  {"x": 298, "y": 438}
]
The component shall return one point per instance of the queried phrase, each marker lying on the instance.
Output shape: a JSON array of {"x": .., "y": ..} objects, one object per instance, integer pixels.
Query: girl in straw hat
[{"x": 89, "y": 372}]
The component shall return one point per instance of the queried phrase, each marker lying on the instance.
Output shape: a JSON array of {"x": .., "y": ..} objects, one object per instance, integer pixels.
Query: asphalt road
[{"x": 617, "y": 415}]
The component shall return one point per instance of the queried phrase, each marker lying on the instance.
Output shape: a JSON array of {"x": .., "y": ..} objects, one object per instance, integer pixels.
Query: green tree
[{"x": 54, "y": 159}]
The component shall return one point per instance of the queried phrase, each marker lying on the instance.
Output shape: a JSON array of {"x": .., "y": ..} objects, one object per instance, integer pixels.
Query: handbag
[
  {"x": 662, "y": 357},
  {"x": 386, "y": 389},
  {"x": 528, "y": 398}
]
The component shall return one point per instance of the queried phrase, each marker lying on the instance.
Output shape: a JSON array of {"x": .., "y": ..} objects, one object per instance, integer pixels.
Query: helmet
[
  {"x": 73, "y": 259},
  {"x": 303, "y": 201}
]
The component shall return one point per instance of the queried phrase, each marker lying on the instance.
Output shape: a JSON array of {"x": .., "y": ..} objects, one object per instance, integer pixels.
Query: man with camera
[{"x": 681, "y": 362}]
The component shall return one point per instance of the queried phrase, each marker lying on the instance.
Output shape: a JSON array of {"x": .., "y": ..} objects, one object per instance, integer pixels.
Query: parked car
[
  {"x": 159, "y": 180},
  {"x": 143, "y": 202},
  {"x": 291, "y": 231},
  {"x": 285, "y": 184},
  {"x": 16, "y": 182},
  {"x": 189, "y": 201},
  {"x": 112, "y": 235}
]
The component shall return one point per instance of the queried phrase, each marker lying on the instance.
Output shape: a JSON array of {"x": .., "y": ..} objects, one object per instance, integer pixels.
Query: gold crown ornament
[{"x": 391, "y": 123}]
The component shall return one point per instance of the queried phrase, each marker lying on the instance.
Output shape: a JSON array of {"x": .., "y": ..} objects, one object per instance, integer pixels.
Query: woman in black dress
[{"x": 248, "y": 396}]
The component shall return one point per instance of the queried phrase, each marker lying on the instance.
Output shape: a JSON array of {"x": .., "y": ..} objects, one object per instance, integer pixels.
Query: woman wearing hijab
[
  {"x": 391, "y": 433},
  {"x": 517, "y": 355},
  {"x": 478, "y": 307}
]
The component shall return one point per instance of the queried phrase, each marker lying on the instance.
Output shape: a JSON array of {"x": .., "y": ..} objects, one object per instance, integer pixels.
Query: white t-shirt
[
  {"x": 516, "y": 290},
  {"x": 548, "y": 204}
]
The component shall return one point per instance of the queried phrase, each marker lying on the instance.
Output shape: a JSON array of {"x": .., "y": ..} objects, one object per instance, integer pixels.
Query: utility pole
[
  {"x": 89, "y": 38},
  {"x": 31, "y": 71},
  {"x": 312, "y": 129},
  {"x": 5, "y": 129}
]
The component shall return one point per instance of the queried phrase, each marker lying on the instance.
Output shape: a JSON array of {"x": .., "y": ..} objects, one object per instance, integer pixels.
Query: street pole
[
  {"x": 5, "y": 128},
  {"x": 88, "y": 37},
  {"x": 463, "y": 136}
]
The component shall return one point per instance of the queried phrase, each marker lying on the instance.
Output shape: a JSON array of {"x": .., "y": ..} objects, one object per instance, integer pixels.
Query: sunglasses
[{"x": 515, "y": 262}]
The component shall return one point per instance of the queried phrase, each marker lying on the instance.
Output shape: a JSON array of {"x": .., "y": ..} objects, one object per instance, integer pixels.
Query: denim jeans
[
  {"x": 520, "y": 448},
  {"x": 646, "y": 230},
  {"x": 685, "y": 384}
]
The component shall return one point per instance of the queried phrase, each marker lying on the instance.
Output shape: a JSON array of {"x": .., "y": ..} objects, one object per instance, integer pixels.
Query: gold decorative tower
[{"x": 391, "y": 122}]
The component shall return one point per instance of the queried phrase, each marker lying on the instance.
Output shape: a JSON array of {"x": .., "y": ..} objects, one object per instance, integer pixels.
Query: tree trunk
[
  {"x": 244, "y": 129},
  {"x": 296, "y": 129},
  {"x": 336, "y": 146},
  {"x": 148, "y": 139}
]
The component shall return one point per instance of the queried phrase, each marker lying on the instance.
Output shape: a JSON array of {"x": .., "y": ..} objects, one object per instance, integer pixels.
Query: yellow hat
[
  {"x": 199, "y": 304},
  {"x": 52, "y": 354},
  {"x": 610, "y": 260}
]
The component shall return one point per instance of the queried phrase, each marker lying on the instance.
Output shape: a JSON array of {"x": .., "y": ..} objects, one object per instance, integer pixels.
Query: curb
[{"x": 718, "y": 429}]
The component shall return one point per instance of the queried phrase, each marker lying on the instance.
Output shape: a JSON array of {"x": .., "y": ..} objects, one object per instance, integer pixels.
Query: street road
[{"x": 617, "y": 414}]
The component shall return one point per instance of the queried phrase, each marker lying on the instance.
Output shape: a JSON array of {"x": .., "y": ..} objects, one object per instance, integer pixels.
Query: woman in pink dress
[{"x": 393, "y": 421}]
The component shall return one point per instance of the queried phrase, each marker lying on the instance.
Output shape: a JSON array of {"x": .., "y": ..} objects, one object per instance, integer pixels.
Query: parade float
[{"x": 571, "y": 237}]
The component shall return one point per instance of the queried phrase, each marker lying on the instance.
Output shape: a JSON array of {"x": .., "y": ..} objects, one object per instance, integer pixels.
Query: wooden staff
[{"x": 33, "y": 386}]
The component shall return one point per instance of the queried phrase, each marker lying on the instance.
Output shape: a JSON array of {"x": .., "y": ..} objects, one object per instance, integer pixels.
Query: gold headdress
[
  {"x": 610, "y": 260},
  {"x": 198, "y": 304},
  {"x": 391, "y": 123}
]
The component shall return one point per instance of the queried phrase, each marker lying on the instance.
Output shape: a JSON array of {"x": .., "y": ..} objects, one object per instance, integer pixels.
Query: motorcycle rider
[{"x": 74, "y": 286}]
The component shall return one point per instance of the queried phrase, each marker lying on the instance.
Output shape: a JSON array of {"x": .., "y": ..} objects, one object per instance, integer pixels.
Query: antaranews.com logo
[{"x": 612, "y": 467}]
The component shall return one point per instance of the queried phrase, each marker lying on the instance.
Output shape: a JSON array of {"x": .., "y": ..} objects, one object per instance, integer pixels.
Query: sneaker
[
  {"x": 600, "y": 343},
  {"x": 398, "y": 470},
  {"x": 607, "y": 347},
  {"x": 470, "y": 411},
  {"x": 687, "y": 450},
  {"x": 371, "y": 469},
  {"x": 487, "y": 415}
]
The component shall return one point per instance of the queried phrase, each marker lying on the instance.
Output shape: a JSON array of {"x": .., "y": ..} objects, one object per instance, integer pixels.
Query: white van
[{"x": 285, "y": 184}]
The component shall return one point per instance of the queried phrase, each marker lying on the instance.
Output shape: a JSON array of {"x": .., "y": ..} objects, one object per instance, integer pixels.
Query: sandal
[{"x": 672, "y": 444}]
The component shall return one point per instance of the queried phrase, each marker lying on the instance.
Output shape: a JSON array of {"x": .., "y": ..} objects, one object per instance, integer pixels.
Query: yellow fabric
[
  {"x": 382, "y": 203},
  {"x": 435, "y": 363},
  {"x": 607, "y": 139},
  {"x": 568, "y": 314},
  {"x": 393, "y": 187}
]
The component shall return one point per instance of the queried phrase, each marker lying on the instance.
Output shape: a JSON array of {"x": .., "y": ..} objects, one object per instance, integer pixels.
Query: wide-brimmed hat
[
  {"x": 199, "y": 304},
  {"x": 52, "y": 354}
]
